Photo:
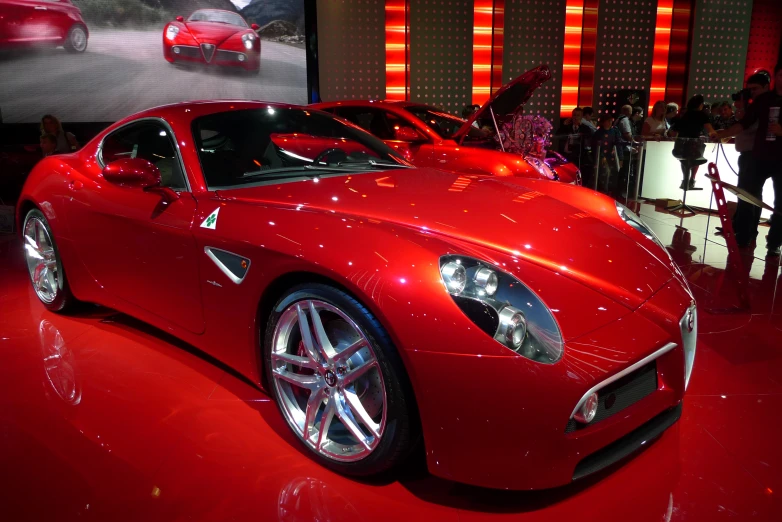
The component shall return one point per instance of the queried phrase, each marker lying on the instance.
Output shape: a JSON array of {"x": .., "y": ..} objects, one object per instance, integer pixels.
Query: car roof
[{"x": 197, "y": 108}]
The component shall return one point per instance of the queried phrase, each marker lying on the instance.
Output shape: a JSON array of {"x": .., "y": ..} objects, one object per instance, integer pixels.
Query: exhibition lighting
[
  {"x": 662, "y": 44},
  {"x": 571, "y": 58},
  {"x": 487, "y": 48},
  {"x": 397, "y": 49}
]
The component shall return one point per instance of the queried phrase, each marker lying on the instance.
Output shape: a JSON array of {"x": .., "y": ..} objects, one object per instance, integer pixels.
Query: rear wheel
[
  {"x": 44, "y": 265},
  {"x": 76, "y": 41},
  {"x": 338, "y": 381}
]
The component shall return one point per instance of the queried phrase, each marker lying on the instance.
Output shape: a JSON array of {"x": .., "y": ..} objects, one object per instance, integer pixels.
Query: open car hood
[{"x": 508, "y": 98}]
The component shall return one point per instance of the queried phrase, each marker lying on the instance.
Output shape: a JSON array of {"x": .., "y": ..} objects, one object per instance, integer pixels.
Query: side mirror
[
  {"x": 138, "y": 173},
  {"x": 255, "y": 27},
  {"x": 407, "y": 134},
  {"x": 133, "y": 173},
  {"x": 180, "y": 19}
]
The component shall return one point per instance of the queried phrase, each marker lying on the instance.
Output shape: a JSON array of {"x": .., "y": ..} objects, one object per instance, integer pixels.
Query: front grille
[
  {"x": 209, "y": 51},
  {"x": 620, "y": 394},
  {"x": 628, "y": 444},
  {"x": 228, "y": 56},
  {"x": 189, "y": 52}
]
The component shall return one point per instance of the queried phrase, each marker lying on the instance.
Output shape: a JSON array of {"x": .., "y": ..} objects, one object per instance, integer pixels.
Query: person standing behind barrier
[
  {"x": 66, "y": 142},
  {"x": 688, "y": 148},
  {"x": 757, "y": 84},
  {"x": 767, "y": 155},
  {"x": 656, "y": 126}
]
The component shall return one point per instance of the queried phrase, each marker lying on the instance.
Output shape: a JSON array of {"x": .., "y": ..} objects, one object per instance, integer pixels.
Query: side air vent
[{"x": 232, "y": 265}]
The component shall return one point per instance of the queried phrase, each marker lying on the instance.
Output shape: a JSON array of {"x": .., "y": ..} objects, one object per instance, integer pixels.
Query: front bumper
[
  {"x": 503, "y": 422},
  {"x": 246, "y": 59}
]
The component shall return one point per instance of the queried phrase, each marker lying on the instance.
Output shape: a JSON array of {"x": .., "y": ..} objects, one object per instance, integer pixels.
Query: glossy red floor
[{"x": 103, "y": 418}]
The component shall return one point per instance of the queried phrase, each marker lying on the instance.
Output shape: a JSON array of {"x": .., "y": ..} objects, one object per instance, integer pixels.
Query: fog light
[
  {"x": 455, "y": 277},
  {"x": 512, "y": 329},
  {"x": 242, "y": 57},
  {"x": 487, "y": 280},
  {"x": 175, "y": 49},
  {"x": 586, "y": 413}
]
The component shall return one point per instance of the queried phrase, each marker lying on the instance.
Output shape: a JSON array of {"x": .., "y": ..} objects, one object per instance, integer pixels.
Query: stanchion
[{"x": 596, "y": 169}]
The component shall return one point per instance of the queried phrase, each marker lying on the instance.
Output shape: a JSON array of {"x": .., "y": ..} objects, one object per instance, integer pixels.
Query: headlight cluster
[
  {"x": 542, "y": 168},
  {"x": 635, "y": 221},
  {"x": 248, "y": 40},
  {"x": 503, "y": 307},
  {"x": 171, "y": 32}
]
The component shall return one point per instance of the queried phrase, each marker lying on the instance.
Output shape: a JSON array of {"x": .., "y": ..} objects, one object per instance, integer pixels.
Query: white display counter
[{"x": 663, "y": 175}]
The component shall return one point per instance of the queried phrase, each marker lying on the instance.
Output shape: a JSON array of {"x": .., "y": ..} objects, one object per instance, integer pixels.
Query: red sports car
[
  {"x": 213, "y": 37},
  {"x": 28, "y": 23},
  {"x": 430, "y": 137},
  {"x": 512, "y": 324}
]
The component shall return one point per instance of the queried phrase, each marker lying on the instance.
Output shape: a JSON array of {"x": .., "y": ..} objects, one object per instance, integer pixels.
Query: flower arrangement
[{"x": 528, "y": 134}]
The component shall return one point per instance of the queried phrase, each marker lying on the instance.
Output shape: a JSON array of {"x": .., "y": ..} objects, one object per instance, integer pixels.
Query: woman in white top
[
  {"x": 66, "y": 142},
  {"x": 656, "y": 125}
]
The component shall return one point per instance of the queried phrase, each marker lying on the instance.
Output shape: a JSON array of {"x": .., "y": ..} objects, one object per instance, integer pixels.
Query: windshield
[
  {"x": 221, "y": 17},
  {"x": 237, "y": 148},
  {"x": 444, "y": 124}
]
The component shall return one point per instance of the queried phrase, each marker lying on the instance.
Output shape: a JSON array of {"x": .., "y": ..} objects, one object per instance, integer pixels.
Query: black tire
[
  {"x": 64, "y": 301},
  {"x": 402, "y": 430},
  {"x": 76, "y": 41}
]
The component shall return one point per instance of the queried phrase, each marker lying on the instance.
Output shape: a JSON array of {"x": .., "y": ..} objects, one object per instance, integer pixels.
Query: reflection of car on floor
[
  {"x": 430, "y": 137},
  {"x": 31, "y": 23},
  {"x": 213, "y": 37},
  {"x": 376, "y": 302}
]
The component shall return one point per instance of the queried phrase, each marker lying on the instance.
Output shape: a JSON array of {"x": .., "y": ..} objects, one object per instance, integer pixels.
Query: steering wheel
[{"x": 326, "y": 153}]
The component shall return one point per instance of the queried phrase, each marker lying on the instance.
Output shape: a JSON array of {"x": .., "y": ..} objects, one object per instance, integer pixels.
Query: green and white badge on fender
[{"x": 211, "y": 220}]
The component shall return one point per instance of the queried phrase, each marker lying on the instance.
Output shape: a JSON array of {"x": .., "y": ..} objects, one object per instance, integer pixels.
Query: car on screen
[
  {"x": 42, "y": 23},
  {"x": 430, "y": 137},
  {"x": 529, "y": 333},
  {"x": 213, "y": 37}
]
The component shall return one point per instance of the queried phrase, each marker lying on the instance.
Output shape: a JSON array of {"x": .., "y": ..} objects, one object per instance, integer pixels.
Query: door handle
[{"x": 40, "y": 8}]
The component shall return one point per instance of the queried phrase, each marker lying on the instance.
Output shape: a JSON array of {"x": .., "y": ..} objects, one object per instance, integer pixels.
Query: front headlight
[
  {"x": 248, "y": 40},
  {"x": 171, "y": 32},
  {"x": 542, "y": 168},
  {"x": 503, "y": 307},
  {"x": 635, "y": 221}
]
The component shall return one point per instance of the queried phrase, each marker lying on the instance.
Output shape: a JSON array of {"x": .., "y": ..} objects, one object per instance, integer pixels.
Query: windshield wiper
[
  {"x": 311, "y": 170},
  {"x": 373, "y": 163}
]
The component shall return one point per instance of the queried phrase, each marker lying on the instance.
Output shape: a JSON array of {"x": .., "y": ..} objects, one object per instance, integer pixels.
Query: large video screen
[{"x": 102, "y": 60}]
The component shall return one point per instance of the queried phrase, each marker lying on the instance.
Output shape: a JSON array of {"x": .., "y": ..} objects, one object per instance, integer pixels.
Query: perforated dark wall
[
  {"x": 441, "y": 53},
  {"x": 764, "y": 36},
  {"x": 534, "y": 34},
  {"x": 719, "y": 48},
  {"x": 625, "y": 46},
  {"x": 351, "y": 49}
]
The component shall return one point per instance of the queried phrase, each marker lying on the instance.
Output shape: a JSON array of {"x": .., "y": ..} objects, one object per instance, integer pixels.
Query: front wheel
[
  {"x": 76, "y": 41},
  {"x": 338, "y": 381},
  {"x": 44, "y": 264}
]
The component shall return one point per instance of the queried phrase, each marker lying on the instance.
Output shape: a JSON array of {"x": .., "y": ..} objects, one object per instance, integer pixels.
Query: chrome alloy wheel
[
  {"x": 328, "y": 381},
  {"x": 41, "y": 260},
  {"x": 78, "y": 39}
]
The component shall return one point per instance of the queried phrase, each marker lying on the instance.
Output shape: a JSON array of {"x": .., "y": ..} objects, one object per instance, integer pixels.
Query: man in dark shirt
[{"x": 767, "y": 153}]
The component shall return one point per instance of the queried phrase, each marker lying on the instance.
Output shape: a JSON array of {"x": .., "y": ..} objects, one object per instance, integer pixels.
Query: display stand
[{"x": 735, "y": 262}]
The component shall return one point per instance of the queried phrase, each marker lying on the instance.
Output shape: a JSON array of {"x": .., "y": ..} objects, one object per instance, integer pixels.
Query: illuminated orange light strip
[
  {"x": 662, "y": 45},
  {"x": 571, "y": 59},
  {"x": 397, "y": 50},
  {"x": 586, "y": 73},
  {"x": 487, "y": 48}
]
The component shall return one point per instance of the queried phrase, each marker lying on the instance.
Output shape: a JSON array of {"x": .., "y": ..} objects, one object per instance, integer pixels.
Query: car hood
[
  {"x": 212, "y": 32},
  {"x": 569, "y": 230},
  {"x": 508, "y": 98}
]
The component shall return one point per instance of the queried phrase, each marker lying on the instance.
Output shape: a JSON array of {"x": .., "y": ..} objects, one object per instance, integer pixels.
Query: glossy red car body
[
  {"x": 25, "y": 23},
  {"x": 201, "y": 41},
  {"x": 489, "y": 416},
  {"x": 440, "y": 148}
]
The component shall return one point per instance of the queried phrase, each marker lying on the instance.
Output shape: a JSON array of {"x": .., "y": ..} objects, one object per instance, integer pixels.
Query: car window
[
  {"x": 240, "y": 147},
  {"x": 221, "y": 17},
  {"x": 149, "y": 140}
]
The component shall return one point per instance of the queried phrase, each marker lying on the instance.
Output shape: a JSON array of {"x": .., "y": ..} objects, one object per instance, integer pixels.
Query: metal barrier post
[
  {"x": 596, "y": 170},
  {"x": 638, "y": 172}
]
